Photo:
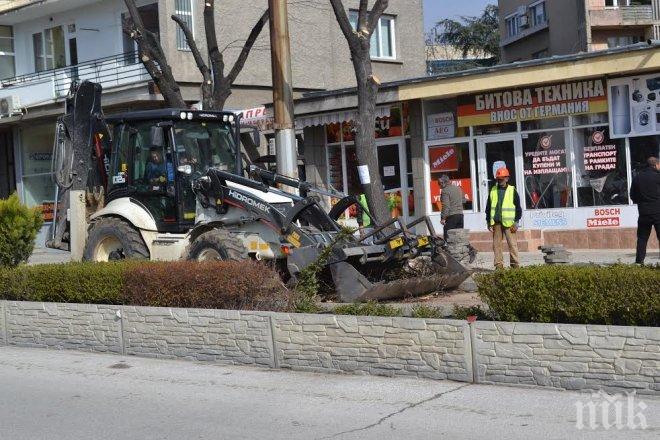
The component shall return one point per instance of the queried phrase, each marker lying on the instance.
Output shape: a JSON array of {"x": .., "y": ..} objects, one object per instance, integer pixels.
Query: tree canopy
[{"x": 472, "y": 35}]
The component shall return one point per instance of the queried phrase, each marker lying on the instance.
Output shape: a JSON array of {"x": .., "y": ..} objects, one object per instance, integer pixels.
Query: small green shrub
[
  {"x": 463, "y": 312},
  {"x": 99, "y": 283},
  {"x": 19, "y": 226},
  {"x": 427, "y": 312},
  {"x": 618, "y": 295},
  {"x": 367, "y": 309},
  {"x": 233, "y": 285}
]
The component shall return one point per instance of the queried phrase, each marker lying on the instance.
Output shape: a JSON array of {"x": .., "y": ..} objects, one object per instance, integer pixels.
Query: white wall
[{"x": 98, "y": 33}]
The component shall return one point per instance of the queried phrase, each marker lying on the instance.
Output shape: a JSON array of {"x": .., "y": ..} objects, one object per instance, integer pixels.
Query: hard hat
[{"x": 502, "y": 172}]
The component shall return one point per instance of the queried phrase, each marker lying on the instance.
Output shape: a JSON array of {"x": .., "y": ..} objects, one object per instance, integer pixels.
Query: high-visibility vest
[
  {"x": 508, "y": 206},
  {"x": 366, "y": 220}
]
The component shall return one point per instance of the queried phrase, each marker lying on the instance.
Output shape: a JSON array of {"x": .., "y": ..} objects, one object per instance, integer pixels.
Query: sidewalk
[{"x": 600, "y": 256}]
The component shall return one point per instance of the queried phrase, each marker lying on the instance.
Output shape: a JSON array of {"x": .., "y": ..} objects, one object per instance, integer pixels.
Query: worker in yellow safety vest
[
  {"x": 363, "y": 214},
  {"x": 503, "y": 212}
]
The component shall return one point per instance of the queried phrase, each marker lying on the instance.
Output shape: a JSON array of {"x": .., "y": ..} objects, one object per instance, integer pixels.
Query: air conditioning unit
[
  {"x": 524, "y": 20},
  {"x": 10, "y": 105}
]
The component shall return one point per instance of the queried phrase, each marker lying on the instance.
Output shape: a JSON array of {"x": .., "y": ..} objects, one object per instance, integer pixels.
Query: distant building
[
  {"x": 442, "y": 58},
  {"x": 531, "y": 29}
]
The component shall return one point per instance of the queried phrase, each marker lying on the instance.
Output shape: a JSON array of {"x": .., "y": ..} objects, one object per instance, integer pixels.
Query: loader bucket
[{"x": 353, "y": 286}]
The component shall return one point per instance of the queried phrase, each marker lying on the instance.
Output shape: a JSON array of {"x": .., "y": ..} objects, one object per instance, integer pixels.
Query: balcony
[
  {"x": 40, "y": 87},
  {"x": 606, "y": 17},
  {"x": 525, "y": 32}
]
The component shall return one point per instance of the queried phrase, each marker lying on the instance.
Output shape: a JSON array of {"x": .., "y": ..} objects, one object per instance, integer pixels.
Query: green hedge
[
  {"x": 616, "y": 295},
  {"x": 219, "y": 284}
]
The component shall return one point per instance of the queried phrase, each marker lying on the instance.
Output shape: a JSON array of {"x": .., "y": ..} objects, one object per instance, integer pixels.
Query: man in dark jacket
[
  {"x": 645, "y": 192},
  {"x": 503, "y": 212}
]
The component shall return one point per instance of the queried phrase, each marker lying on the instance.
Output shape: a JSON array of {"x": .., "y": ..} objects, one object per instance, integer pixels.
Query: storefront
[
  {"x": 573, "y": 131},
  {"x": 555, "y": 139}
]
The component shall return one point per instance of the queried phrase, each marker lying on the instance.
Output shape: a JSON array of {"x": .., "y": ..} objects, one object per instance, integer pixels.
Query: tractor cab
[{"x": 156, "y": 155}]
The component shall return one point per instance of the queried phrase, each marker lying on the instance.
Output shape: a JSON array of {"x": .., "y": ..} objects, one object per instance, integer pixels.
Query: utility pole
[{"x": 285, "y": 135}]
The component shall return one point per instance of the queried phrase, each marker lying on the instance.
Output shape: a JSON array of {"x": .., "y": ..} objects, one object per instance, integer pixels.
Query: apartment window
[
  {"x": 623, "y": 40},
  {"x": 48, "y": 49},
  {"x": 615, "y": 3},
  {"x": 538, "y": 13},
  {"x": 7, "y": 69},
  {"x": 183, "y": 10},
  {"x": 512, "y": 26},
  {"x": 383, "y": 39}
]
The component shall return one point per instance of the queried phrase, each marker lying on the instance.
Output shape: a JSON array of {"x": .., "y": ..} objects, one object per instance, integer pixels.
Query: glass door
[
  {"x": 394, "y": 175},
  {"x": 494, "y": 153}
]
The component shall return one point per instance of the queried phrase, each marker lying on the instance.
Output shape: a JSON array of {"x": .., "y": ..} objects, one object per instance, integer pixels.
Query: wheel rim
[
  {"x": 209, "y": 254},
  {"x": 109, "y": 249}
]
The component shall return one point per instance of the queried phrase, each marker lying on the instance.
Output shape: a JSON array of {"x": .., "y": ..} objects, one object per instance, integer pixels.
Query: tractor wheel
[
  {"x": 112, "y": 239},
  {"x": 217, "y": 244}
]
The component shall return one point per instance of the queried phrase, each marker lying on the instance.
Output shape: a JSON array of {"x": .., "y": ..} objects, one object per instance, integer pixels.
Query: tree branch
[
  {"x": 344, "y": 22},
  {"x": 247, "y": 47},
  {"x": 216, "y": 57},
  {"x": 207, "y": 83},
  {"x": 376, "y": 13},
  {"x": 152, "y": 57},
  {"x": 363, "y": 12}
]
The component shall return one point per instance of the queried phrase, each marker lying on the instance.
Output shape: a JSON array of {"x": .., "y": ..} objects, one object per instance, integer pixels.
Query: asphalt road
[{"x": 70, "y": 395}]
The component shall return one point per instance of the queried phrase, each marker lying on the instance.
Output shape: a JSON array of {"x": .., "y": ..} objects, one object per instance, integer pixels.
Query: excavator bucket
[{"x": 388, "y": 263}]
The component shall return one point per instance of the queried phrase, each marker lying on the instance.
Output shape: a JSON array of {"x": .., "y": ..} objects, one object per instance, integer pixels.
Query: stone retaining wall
[
  {"x": 569, "y": 356},
  {"x": 552, "y": 355}
]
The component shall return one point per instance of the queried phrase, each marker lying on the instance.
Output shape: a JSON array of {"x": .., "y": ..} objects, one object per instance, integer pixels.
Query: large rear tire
[
  {"x": 112, "y": 239},
  {"x": 217, "y": 244}
]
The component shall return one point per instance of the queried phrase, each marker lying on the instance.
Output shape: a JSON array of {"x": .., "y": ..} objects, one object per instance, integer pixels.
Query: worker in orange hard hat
[{"x": 503, "y": 212}]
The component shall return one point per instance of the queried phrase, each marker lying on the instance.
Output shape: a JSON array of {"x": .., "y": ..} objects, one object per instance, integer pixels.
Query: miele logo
[{"x": 249, "y": 201}]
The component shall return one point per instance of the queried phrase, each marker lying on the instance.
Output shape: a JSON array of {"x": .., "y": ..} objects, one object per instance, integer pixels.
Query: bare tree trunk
[
  {"x": 359, "y": 43},
  {"x": 216, "y": 86}
]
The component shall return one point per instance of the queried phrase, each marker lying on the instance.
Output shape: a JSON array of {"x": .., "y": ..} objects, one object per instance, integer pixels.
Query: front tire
[
  {"x": 217, "y": 244},
  {"x": 112, "y": 239}
]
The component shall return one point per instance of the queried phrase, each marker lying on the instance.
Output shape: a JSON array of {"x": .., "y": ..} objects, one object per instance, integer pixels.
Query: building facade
[
  {"x": 573, "y": 131},
  {"x": 45, "y": 45},
  {"x": 532, "y": 29}
]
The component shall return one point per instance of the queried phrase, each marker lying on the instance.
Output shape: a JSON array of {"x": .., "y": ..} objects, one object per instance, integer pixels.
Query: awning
[
  {"x": 262, "y": 117},
  {"x": 336, "y": 117}
]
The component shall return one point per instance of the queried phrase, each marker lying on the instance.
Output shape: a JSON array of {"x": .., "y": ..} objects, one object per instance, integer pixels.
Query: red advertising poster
[
  {"x": 436, "y": 191},
  {"x": 443, "y": 159}
]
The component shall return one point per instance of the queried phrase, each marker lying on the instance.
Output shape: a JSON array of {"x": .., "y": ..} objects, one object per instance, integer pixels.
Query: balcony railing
[
  {"x": 601, "y": 16},
  {"x": 112, "y": 71}
]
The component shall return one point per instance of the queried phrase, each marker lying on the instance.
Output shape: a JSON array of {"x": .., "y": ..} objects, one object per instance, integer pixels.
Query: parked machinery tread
[
  {"x": 217, "y": 244},
  {"x": 112, "y": 238}
]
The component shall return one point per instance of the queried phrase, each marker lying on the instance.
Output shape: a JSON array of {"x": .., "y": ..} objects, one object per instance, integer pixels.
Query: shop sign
[
  {"x": 547, "y": 159},
  {"x": 605, "y": 217},
  {"x": 443, "y": 159},
  {"x": 542, "y": 102},
  {"x": 599, "y": 156},
  {"x": 548, "y": 218},
  {"x": 436, "y": 190},
  {"x": 440, "y": 126},
  {"x": 41, "y": 156},
  {"x": 634, "y": 106}
]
